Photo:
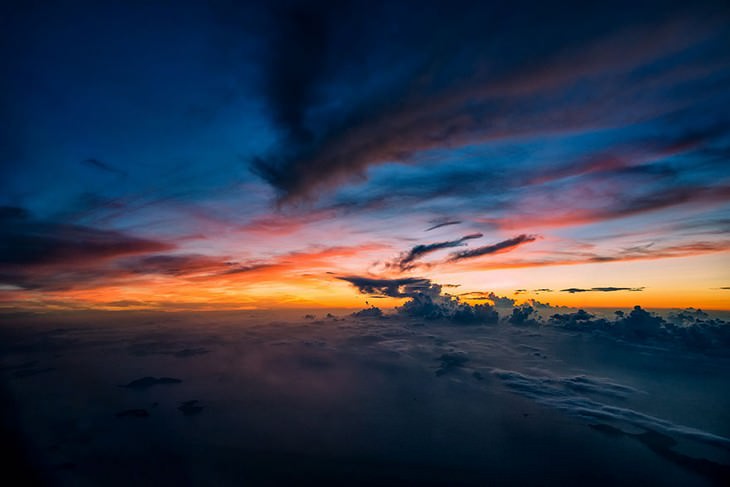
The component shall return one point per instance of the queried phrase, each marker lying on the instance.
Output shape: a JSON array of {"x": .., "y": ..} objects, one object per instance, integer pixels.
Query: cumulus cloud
[
  {"x": 426, "y": 300},
  {"x": 687, "y": 316},
  {"x": 499, "y": 301},
  {"x": 437, "y": 306},
  {"x": 524, "y": 315},
  {"x": 371, "y": 312},
  {"x": 540, "y": 305},
  {"x": 691, "y": 328}
]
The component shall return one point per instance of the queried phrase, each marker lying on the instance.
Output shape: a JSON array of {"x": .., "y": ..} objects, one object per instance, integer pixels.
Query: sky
[{"x": 290, "y": 154}]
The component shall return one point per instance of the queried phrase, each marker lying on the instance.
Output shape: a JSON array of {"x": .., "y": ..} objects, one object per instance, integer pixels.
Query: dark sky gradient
[
  {"x": 251, "y": 153},
  {"x": 288, "y": 242}
]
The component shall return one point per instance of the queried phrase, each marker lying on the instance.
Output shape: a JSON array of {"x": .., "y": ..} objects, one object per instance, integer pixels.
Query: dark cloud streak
[
  {"x": 443, "y": 224},
  {"x": 609, "y": 289},
  {"x": 499, "y": 247},
  {"x": 28, "y": 242},
  {"x": 394, "y": 288},
  {"x": 103, "y": 166},
  {"x": 406, "y": 261}
]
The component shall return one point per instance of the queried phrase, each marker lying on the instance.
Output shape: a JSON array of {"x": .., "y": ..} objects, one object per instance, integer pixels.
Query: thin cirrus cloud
[
  {"x": 192, "y": 269},
  {"x": 689, "y": 249},
  {"x": 659, "y": 199},
  {"x": 57, "y": 257}
]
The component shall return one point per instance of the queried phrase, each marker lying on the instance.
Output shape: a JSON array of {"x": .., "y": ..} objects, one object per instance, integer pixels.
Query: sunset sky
[{"x": 226, "y": 155}]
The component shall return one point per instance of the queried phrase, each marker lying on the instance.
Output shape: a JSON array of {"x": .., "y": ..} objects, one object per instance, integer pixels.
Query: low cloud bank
[
  {"x": 426, "y": 300},
  {"x": 692, "y": 328}
]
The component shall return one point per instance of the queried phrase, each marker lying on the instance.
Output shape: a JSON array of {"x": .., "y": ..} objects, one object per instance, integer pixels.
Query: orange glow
[{"x": 308, "y": 280}]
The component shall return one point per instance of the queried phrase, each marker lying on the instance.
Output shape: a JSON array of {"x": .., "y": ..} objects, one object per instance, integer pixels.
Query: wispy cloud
[
  {"x": 500, "y": 247},
  {"x": 407, "y": 260},
  {"x": 395, "y": 288},
  {"x": 444, "y": 223},
  {"x": 28, "y": 242},
  {"x": 577, "y": 258},
  {"x": 444, "y": 104},
  {"x": 103, "y": 166},
  {"x": 573, "y": 290}
]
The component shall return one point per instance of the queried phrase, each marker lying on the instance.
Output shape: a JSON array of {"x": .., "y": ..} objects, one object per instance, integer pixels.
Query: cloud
[
  {"x": 443, "y": 223},
  {"x": 567, "y": 394},
  {"x": 621, "y": 203},
  {"x": 103, "y": 166},
  {"x": 523, "y": 315},
  {"x": 475, "y": 295},
  {"x": 499, "y": 247},
  {"x": 687, "y": 317},
  {"x": 298, "y": 51},
  {"x": 282, "y": 224},
  {"x": 691, "y": 328},
  {"x": 636, "y": 156},
  {"x": 448, "y": 85},
  {"x": 29, "y": 242},
  {"x": 425, "y": 300},
  {"x": 371, "y": 312},
  {"x": 499, "y": 301},
  {"x": 406, "y": 260},
  {"x": 578, "y": 320},
  {"x": 176, "y": 264},
  {"x": 394, "y": 288},
  {"x": 440, "y": 307},
  {"x": 451, "y": 362},
  {"x": 581, "y": 257},
  {"x": 573, "y": 290},
  {"x": 65, "y": 259}
]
